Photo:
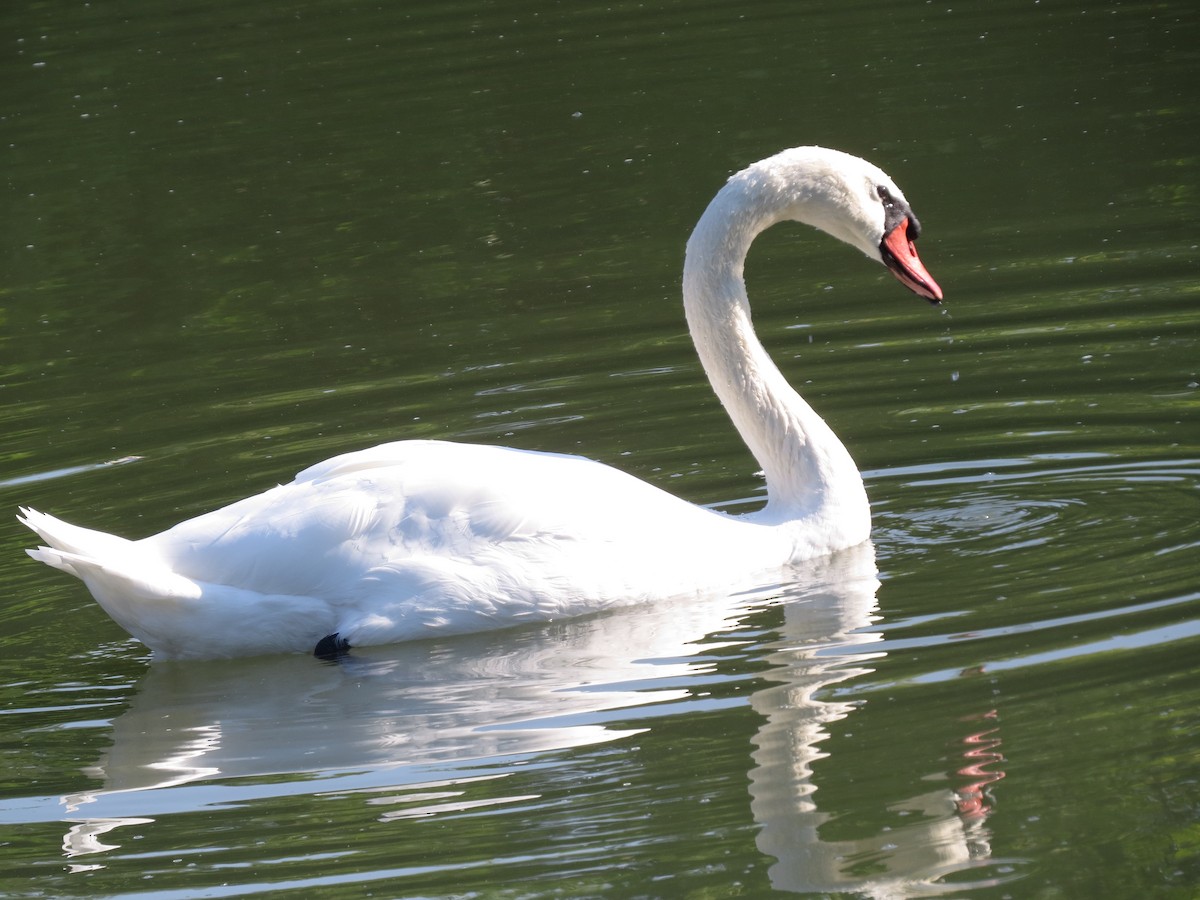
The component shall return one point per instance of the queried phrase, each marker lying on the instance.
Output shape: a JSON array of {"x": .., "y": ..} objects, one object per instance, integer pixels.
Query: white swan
[{"x": 415, "y": 538}]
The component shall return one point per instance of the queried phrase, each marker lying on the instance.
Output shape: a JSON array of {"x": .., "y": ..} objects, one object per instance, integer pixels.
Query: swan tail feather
[
  {"x": 174, "y": 615},
  {"x": 106, "y": 563},
  {"x": 68, "y": 538}
]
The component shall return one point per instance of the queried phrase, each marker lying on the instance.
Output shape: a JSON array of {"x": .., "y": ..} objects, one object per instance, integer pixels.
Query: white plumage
[{"x": 415, "y": 538}]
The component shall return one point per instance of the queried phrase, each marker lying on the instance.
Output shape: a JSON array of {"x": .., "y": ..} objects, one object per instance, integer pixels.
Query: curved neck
[{"x": 809, "y": 472}]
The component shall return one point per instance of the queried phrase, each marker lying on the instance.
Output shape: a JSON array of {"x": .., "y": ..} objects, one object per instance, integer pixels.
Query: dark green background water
[{"x": 240, "y": 238}]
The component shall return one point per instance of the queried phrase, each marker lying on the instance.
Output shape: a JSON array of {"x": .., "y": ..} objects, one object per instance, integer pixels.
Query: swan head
[{"x": 852, "y": 200}]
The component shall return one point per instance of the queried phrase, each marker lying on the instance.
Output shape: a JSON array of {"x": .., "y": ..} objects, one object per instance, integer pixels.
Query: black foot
[{"x": 331, "y": 647}]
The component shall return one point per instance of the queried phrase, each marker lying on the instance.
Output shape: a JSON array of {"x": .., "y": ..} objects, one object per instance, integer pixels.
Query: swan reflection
[
  {"x": 411, "y": 727},
  {"x": 826, "y": 641}
]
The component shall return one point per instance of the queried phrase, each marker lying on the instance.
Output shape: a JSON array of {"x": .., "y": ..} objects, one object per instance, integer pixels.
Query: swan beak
[{"x": 900, "y": 255}]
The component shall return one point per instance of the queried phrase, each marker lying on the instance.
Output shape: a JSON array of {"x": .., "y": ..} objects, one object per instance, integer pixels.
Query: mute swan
[{"x": 416, "y": 538}]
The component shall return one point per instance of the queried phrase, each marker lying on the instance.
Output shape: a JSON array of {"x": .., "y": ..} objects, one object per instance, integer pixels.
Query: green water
[{"x": 241, "y": 238}]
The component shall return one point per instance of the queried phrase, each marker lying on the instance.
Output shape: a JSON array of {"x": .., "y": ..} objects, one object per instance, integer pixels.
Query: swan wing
[
  {"x": 417, "y": 537},
  {"x": 403, "y": 500}
]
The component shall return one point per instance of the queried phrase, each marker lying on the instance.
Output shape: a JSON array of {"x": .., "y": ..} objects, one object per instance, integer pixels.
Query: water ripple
[{"x": 990, "y": 502}]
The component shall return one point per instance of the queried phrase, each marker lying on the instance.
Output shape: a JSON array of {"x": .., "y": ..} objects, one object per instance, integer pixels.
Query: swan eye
[{"x": 895, "y": 211}]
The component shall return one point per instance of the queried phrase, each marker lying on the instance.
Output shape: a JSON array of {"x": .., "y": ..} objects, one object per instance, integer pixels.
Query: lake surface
[{"x": 242, "y": 238}]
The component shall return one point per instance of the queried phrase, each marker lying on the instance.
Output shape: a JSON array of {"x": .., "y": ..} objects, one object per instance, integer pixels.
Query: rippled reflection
[{"x": 948, "y": 833}]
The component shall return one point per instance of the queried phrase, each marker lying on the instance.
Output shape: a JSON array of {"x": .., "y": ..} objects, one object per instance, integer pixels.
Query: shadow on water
[{"x": 416, "y": 729}]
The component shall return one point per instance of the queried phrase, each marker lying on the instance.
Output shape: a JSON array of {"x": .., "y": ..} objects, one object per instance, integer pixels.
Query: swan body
[{"x": 416, "y": 538}]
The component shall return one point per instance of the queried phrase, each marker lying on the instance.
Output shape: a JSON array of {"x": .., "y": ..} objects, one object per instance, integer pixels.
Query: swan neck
[{"x": 809, "y": 472}]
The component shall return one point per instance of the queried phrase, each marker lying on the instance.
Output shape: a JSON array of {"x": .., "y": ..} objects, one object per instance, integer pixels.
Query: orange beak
[{"x": 900, "y": 256}]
